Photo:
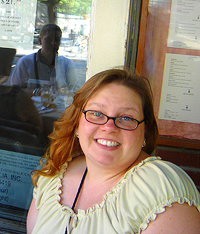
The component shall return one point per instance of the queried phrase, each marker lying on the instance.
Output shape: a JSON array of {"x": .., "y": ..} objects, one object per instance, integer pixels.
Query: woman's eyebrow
[
  {"x": 97, "y": 104},
  {"x": 103, "y": 105}
]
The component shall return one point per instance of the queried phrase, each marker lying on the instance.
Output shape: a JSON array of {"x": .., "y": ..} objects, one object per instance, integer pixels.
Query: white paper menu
[
  {"x": 184, "y": 29},
  {"x": 180, "y": 98}
]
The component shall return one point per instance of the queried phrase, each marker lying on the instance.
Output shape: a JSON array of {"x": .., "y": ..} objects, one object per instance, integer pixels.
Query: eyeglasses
[{"x": 123, "y": 122}]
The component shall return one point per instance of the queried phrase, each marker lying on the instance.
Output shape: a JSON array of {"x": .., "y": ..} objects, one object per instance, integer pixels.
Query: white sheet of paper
[
  {"x": 180, "y": 97},
  {"x": 15, "y": 180},
  {"x": 17, "y": 23},
  {"x": 184, "y": 29}
]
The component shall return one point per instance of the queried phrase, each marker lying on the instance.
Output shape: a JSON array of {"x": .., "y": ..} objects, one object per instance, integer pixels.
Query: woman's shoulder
[
  {"x": 75, "y": 165},
  {"x": 151, "y": 186},
  {"x": 48, "y": 184},
  {"x": 158, "y": 183},
  {"x": 165, "y": 171},
  {"x": 155, "y": 173},
  {"x": 154, "y": 166}
]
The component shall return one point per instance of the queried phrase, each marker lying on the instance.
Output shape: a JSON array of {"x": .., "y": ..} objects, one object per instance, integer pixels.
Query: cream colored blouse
[{"x": 143, "y": 192}]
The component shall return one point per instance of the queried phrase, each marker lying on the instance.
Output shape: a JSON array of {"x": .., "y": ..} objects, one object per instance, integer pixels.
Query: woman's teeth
[{"x": 107, "y": 143}]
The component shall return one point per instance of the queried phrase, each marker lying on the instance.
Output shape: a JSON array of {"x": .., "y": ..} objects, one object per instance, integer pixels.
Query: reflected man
[
  {"x": 45, "y": 66},
  {"x": 15, "y": 104}
]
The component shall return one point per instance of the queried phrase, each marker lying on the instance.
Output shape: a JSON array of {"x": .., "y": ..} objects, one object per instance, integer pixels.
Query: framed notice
[
  {"x": 169, "y": 55},
  {"x": 17, "y": 24},
  {"x": 180, "y": 89},
  {"x": 184, "y": 27}
]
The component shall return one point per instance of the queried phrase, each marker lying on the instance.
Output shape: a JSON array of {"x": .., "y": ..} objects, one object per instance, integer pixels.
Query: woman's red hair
[{"x": 63, "y": 141}]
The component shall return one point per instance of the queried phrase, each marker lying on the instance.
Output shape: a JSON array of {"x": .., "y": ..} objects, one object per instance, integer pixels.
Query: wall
[
  {"x": 187, "y": 159},
  {"x": 107, "y": 43}
]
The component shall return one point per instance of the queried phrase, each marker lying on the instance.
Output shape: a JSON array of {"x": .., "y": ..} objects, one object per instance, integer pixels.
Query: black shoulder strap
[
  {"x": 36, "y": 71},
  {"x": 79, "y": 189}
]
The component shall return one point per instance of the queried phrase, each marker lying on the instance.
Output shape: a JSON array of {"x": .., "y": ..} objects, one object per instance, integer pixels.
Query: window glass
[
  {"x": 22, "y": 33},
  {"x": 33, "y": 92}
]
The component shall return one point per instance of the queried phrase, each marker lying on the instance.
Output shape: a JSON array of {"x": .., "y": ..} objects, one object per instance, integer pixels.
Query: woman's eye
[
  {"x": 97, "y": 114},
  {"x": 126, "y": 118}
]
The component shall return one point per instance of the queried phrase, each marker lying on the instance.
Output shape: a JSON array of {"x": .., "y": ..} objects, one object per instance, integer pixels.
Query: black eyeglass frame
[{"x": 113, "y": 118}]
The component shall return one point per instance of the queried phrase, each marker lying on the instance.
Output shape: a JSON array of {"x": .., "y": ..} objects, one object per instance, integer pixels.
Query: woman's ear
[{"x": 77, "y": 134}]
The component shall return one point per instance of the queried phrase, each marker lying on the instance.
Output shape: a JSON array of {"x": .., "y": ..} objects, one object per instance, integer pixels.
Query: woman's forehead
[
  {"x": 115, "y": 94},
  {"x": 114, "y": 89}
]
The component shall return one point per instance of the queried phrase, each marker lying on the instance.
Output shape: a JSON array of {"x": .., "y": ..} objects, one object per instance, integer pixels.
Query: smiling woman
[
  {"x": 104, "y": 140},
  {"x": 120, "y": 150}
]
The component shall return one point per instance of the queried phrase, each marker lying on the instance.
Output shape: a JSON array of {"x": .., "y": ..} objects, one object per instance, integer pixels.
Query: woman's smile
[{"x": 107, "y": 143}]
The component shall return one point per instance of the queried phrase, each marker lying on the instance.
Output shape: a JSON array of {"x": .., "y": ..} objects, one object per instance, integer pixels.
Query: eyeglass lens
[{"x": 123, "y": 122}]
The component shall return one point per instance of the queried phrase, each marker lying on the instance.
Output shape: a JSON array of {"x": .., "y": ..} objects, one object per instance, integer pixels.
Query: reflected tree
[
  {"x": 75, "y": 7},
  {"x": 51, "y": 4},
  {"x": 69, "y": 7}
]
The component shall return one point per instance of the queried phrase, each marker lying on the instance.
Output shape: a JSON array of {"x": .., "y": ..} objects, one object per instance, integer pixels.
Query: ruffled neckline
[{"x": 111, "y": 192}]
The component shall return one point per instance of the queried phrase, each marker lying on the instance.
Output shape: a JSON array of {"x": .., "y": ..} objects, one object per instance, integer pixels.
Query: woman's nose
[{"x": 110, "y": 126}]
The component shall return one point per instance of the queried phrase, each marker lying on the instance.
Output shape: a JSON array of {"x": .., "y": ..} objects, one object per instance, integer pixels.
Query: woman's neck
[{"x": 103, "y": 174}]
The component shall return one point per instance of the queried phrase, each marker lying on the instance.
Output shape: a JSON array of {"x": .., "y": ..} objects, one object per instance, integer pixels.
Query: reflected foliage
[
  {"x": 69, "y": 7},
  {"x": 75, "y": 7}
]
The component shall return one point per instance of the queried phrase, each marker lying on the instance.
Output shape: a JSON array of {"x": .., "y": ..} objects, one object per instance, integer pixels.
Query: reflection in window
[{"x": 22, "y": 141}]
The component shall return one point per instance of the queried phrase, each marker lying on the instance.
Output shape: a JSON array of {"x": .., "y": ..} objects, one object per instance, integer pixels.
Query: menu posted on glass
[
  {"x": 184, "y": 29},
  {"x": 180, "y": 96},
  {"x": 17, "y": 24}
]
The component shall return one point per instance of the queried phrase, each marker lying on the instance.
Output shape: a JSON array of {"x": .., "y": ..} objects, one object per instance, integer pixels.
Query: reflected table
[
  {"x": 49, "y": 114},
  {"x": 48, "y": 119}
]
